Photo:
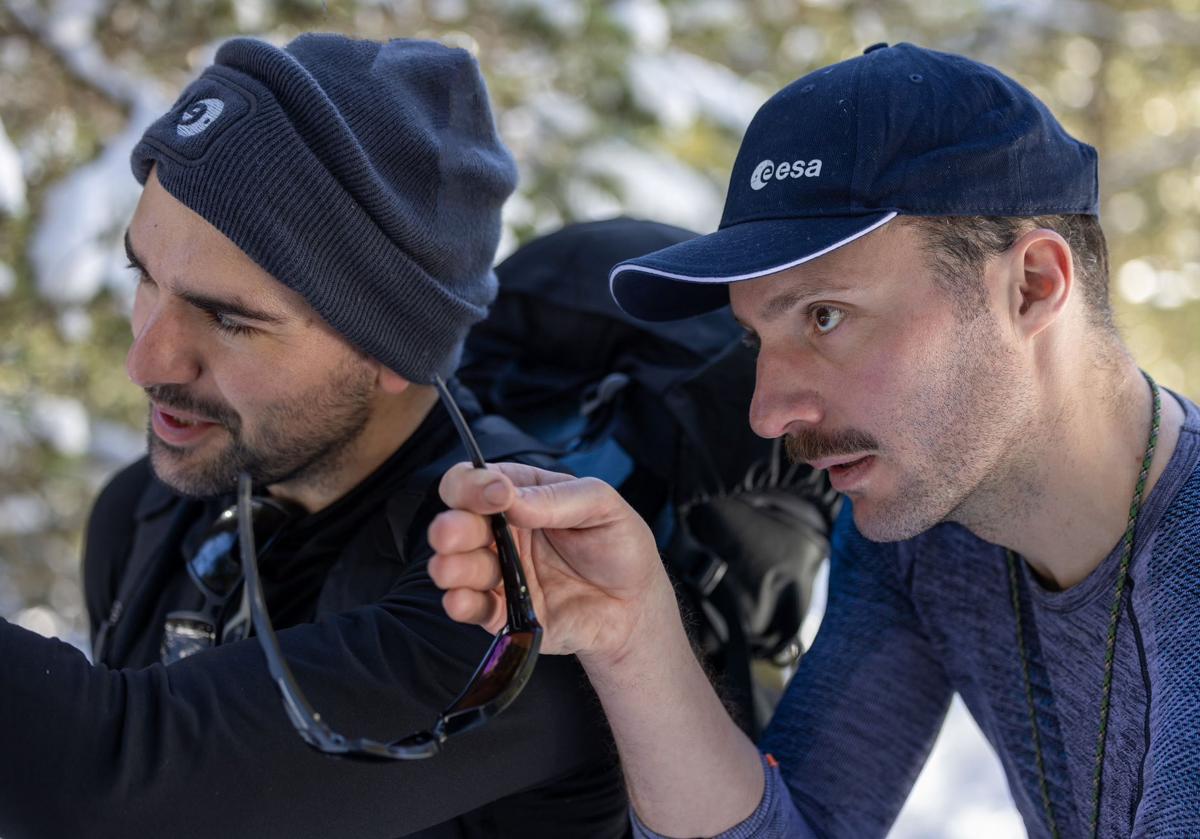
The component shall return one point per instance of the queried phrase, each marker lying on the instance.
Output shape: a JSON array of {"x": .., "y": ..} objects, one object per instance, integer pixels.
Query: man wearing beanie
[
  {"x": 911, "y": 242},
  {"x": 313, "y": 241}
]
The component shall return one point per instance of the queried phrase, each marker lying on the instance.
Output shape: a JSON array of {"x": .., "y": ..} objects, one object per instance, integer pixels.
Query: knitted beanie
[{"x": 367, "y": 177}]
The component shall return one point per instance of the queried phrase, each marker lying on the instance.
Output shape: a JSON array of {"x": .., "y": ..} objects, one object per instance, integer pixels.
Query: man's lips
[
  {"x": 182, "y": 417},
  {"x": 847, "y": 473},
  {"x": 178, "y": 428},
  {"x": 839, "y": 460}
]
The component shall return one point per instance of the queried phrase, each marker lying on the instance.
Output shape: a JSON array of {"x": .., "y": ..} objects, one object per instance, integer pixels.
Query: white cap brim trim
[{"x": 752, "y": 275}]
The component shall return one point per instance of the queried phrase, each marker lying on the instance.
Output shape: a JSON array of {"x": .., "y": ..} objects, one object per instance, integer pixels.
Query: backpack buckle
[
  {"x": 709, "y": 576},
  {"x": 603, "y": 392}
]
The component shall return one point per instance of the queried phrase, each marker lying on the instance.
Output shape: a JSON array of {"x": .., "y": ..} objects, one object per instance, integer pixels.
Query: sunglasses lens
[
  {"x": 215, "y": 566},
  {"x": 501, "y": 676}
]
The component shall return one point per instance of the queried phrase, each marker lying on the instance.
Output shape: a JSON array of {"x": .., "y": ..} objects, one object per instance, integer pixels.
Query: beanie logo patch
[
  {"x": 199, "y": 116},
  {"x": 208, "y": 111}
]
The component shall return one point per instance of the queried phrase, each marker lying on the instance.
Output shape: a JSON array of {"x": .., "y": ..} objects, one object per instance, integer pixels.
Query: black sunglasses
[
  {"x": 216, "y": 571},
  {"x": 497, "y": 681}
]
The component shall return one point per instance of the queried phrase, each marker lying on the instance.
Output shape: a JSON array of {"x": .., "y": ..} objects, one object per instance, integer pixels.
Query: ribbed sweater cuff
[{"x": 775, "y": 817}]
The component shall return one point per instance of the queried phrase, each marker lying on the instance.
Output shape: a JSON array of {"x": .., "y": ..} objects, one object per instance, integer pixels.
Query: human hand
[{"x": 591, "y": 563}]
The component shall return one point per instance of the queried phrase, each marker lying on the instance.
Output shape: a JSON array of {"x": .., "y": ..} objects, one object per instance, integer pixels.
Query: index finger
[
  {"x": 455, "y": 531},
  {"x": 491, "y": 490}
]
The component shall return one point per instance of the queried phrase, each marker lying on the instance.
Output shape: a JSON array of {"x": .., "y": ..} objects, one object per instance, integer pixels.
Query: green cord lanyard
[{"x": 1135, "y": 508}]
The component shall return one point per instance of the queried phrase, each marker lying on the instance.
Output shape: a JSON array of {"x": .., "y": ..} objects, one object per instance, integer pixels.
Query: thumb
[
  {"x": 571, "y": 503},
  {"x": 490, "y": 490}
]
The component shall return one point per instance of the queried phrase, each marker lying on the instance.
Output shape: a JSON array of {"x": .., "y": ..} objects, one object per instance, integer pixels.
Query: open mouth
[
  {"x": 845, "y": 476},
  {"x": 178, "y": 430},
  {"x": 179, "y": 422}
]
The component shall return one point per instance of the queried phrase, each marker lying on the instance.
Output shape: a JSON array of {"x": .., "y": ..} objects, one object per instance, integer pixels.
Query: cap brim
[{"x": 693, "y": 277}]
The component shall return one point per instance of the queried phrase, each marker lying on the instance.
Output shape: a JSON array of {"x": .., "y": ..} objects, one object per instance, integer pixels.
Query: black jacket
[{"x": 202, "y": 748}]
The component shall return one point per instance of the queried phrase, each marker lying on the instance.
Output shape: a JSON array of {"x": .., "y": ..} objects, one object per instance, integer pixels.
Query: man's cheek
[{"x": 877, "y": 382}]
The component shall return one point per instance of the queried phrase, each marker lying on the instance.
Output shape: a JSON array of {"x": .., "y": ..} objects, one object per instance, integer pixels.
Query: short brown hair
[{"x": 961, "y": 245}]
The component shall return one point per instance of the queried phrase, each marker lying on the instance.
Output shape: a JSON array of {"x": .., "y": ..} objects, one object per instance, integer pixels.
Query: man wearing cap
[
  {"x": 313, "y": 241},
  {"x": 911, "y": 242}
]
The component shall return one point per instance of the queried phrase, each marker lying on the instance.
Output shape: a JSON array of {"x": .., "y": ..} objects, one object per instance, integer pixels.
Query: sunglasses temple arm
[
  {"x": 301, "y": 713},
  {"x": 460, "y": 423},
  {"x": 516, "y": 590},
  {"x": 520, "y": 605}
]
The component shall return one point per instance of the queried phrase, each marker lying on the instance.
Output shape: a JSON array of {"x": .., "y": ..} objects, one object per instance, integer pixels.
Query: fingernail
[{"x": 495, "y": 492}]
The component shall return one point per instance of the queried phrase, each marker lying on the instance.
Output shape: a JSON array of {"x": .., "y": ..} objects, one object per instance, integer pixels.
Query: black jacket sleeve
[{"x": 203, "y": 748}]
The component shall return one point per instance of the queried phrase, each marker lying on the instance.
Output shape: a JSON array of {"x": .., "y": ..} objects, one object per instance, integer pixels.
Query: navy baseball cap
[{"x": 899, "y": 130}]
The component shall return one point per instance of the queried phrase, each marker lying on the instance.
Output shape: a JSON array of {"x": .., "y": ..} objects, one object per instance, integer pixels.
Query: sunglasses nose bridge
[{"x": 216, "y": 565}]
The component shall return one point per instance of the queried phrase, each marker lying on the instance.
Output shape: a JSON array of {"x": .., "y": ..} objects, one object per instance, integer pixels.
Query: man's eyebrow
[
  {"x": 233, "y": 306},
  {"x": 786, "y": 300}
]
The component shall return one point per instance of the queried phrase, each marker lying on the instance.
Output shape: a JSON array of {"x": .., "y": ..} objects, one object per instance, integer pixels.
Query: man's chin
[
  {"x": 890, "y": 522},
  {"x": 188, "y": 472}
]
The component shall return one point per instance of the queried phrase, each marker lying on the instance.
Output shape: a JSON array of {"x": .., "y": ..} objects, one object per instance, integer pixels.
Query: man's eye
[
  {"x": 826, "y": 318},
  {"x": 224, "y": 324},
  {"x": 142, "y": 276}
]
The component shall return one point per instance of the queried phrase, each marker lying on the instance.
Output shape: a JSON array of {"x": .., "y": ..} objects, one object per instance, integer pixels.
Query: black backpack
[{"x": 659, "y": 410}]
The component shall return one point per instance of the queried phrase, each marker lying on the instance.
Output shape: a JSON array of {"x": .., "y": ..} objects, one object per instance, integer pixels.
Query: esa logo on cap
[
  {"x": 198, "y": 116},
  {"x": 769, "y": 169}
]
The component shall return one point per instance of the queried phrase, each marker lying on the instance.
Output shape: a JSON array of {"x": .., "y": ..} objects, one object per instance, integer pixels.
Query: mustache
[
  {"x": 810, "y": 444},
  {"x": 175, "y": 396}
]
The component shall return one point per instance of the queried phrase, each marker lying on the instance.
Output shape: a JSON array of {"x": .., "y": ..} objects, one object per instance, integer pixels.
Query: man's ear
[
  {"x": 1040, "y": 280},
  {"x": 391, "y": 382}
]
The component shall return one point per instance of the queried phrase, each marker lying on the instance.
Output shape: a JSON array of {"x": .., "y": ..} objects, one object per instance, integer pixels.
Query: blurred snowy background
[{"x": 631, "y": 106}]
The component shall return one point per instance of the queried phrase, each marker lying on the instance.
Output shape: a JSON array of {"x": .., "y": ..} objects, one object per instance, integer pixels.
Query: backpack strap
[{"x": 151, "y": 543}]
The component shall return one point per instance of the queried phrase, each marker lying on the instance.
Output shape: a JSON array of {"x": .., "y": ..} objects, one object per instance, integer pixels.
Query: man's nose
[
  {"x": 163, "y": 350},
  {"x": 783, "y": 395}
]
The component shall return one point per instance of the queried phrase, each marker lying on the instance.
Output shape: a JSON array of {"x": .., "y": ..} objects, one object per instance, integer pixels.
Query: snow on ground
[
  {"x": 72, "y": 249},
  {"x": 961, "y": 793},
  {"x": 678, "y": 87},
  {"x": 12, "y": 179},
  {"x": 78, "y": 232},
  {"x": 646, "y": 21},
  {"x": 654, "y": 185},
  {"x": 62, "y": 422}
]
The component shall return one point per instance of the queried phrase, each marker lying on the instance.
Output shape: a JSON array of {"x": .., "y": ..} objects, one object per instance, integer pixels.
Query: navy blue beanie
[{"x": 368, "y": 177}]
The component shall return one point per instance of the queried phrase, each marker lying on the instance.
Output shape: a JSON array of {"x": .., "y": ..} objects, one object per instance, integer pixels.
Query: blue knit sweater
[{"x": 910, "y": 623}]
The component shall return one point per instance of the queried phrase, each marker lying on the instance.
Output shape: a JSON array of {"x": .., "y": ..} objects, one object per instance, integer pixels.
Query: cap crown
[{"x": 910, "y": 130}]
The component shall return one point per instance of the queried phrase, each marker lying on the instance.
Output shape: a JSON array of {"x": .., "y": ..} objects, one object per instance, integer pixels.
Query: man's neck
[
  {"x": 1066, "y": 506},
  {"x": 393, "y": 421}
]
